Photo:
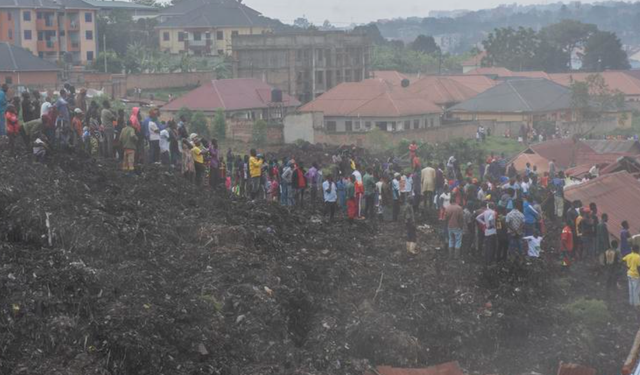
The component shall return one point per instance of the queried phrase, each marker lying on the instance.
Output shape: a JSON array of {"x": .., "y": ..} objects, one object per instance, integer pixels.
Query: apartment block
[
  {"x": 206, "y": 27},
  {"x": 63, "y": 30},
  {"x": 304, "y": 64}
]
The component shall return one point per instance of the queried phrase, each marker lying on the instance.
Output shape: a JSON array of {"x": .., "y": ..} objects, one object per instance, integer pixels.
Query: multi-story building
[
  {"x": 304, "y": 64},
  {"x": 205, "y": 27},
  {"x": 53, "y": 30}
]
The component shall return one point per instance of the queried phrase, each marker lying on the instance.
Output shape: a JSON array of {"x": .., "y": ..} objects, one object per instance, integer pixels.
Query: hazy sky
[{"x": 345, "y": 12}]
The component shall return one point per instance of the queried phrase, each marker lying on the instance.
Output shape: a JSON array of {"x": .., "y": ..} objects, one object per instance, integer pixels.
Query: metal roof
[
  {"x": 616, "y": 194},
  {"x": 210, "y": 14},
  {"x": 519, "y": 96},
  {"x": 230, "y": 95},
  {"x": 120, "y": 5},
  {"x": 477, "y": 83},
  {"x": 48, "y": 4},
  {"x": 604, "y": 146},
  {"x": 371, "y": 98},
  {"x": 449, "y": 368},
  {"x": 18, "y": 59}
]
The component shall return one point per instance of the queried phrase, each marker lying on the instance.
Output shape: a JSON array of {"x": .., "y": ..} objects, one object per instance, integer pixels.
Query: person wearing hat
[
  {"x": 77, "y": 127},
  {"x": 255, "y": 172},
  {"x": 198, "y": 158}
]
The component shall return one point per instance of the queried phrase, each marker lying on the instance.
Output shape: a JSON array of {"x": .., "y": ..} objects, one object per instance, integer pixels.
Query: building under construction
[{"x": 304, "y": 64}]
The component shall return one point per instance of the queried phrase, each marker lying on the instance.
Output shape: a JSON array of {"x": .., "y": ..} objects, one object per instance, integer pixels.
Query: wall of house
[
  {"x": 175, "y": 46},
  {"x": 300, "y": 126},
  {"x": 22, "y": 25},
  {"x": 30, "y": 79},
  {"x": 243, "y": 130},
  {"x": 85, "y": 44},
  {"x": 7, "y": 23},
  {"x": 499, "y": 117},
  {"x": 363, "y": 124}
]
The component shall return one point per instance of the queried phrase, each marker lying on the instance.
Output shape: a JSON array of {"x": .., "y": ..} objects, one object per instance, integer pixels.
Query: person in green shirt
[
  {"x": 369, "y": 194},
  {"x": 129, "y": 143},
  {"x": 32, "y": 127}
]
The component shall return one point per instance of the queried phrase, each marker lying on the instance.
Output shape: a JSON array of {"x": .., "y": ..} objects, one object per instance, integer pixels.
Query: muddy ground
[{"x": 147, "y": 275}]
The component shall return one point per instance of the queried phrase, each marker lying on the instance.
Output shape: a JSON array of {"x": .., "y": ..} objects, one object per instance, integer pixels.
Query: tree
[
  {"x": 220, "y": 125},
  {"x": 593, "y": 96},
  {"x": 302, "y": 22},
  {"x": 603, "y": 51},
  {"x": 371, "y": 30},
  {"x": 568, "y": 35},
  {"x": 114, "y": 63},
  {"x": 511, "y": 48},
  {"x": 199, "y": 124},
  {"x": 186, "y": 112},
  {"x": 425, "y": 44},
  {"x": 259, "y": 133}
]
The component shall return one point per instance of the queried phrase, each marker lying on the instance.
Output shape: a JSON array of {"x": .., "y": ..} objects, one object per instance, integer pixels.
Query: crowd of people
[{"x": 491, "y": 213}]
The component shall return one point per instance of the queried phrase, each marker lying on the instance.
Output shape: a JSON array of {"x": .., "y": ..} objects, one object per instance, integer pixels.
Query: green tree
[
  {"x": 259, "y": 133},
  {"x": 220, "y": 124},
  {"x": 199, "y": 124},
  {"x": 302, "y": 22},
  {"x": 114, "y": 62},
  {"x": 567, "y": 35},
  {"x": 593, "y": 96},
  {"x": 186, "y": 112},
  {"x": 425, "y": 44},
  {"x": 373, "y": 32},
  {"x": 511, "y": 48},
  {"x": 603, "y": 51}
]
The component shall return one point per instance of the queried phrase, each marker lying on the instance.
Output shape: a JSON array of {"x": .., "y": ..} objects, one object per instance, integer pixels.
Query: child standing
[{"x": 533, "y": 244}]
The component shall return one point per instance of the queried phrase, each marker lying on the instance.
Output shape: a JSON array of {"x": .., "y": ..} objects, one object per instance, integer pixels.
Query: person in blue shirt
[
  {"x": 3, "y": 108},
  {"x": 531, "y": 217}
]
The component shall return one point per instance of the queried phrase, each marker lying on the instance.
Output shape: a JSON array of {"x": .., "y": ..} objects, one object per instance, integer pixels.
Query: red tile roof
[
  {"x": 501, "y": 72},
  {"x": 628, "y": 84},
  {"x": 477, "y": 83},
  {"x": 391, "y": 76},
  {"x": 616, "y": 194},
  {"x": 442, "y": 90},
  {"x": 449, "y": 368},
  {"x": 520, "y": 162},
  {"x": 564, "y": 150},
  {"x": 370, "y": 98},
  {"x": 230, "y": 95}
]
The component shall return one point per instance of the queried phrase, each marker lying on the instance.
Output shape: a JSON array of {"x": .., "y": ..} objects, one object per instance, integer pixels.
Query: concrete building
[
  {"x": 305, "y": 64},
  {"x": 136, "y": 10},
  {"x": 205, "y": 27},
  {"x": 52, "y": 30}
]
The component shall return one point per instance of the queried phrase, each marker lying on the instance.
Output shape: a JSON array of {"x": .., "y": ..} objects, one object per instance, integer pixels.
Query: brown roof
[
  {"x": 616, "y": 194},
  {"x": 573, "y": 369},
  {"x": 520, "y": 162},
  {"x": 497, "y": 71},
  {"x": 442, "y": 90},
  {"x": 230, "y": 95},
  {"x": 449, "y": 368},
  {"x": 370, "y": 98},
  {"x": 564, "y": 150},
  {"x": 477, "y": 83},
  {"x": 614, "y": 146},
  {"x": 391, "y": 76},
  {"x": 627, "y": 83}
]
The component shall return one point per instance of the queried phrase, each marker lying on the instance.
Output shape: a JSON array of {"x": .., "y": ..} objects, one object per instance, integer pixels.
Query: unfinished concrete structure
[{"x": 305, "y": 64}]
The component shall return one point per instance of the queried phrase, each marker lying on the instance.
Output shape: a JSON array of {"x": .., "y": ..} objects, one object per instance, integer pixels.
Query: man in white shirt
[
  {"x": 165, "y": 142},
  {"x": 154, "y": 141},
  {"x": 488, "y": 221},
  {"x": 330, "y": 194},
  {"x": 358, "y": 175}
]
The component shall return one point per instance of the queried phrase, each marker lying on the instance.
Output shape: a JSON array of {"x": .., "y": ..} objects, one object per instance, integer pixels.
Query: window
[
  {"x": 88, "y": 35},
  {"x": 220, "y": 35},
  {"x": 416, "y": 124},
  {"x": 9, "y": 16},
  {"x": 430, "y": 122},
  {"x": 407, "y": 125},
  {"x": 89, "y": 55},
  {"x": 357, "y": 125},
  {"x": 319, "y": 78},
  {"x": 348, "y": 126},
  {"x": 165, "y": 36},
  {"x": 8, "y": 80},
  {"x": 180, "y": 36},
  {"x": 88, "y": 17},
  {"x": 234, "y": 33},
  {"x": 40, "y": 36},
  {"x": 39, "y": 15},
  {"x": 367, "y": 124},
  {"x": 26, "y": 15},
  {"x": 197, "y": 36},
  {"x": 62, "y": 33},
  {"x": 320, "y": 55},
  {"x": 331, "y": 126},
  {"x": 10, "y": 34},
  {"x": 207, "y": 36},
  {"x": 27, "y": 35},
  {"x": 220, "y": 52}
]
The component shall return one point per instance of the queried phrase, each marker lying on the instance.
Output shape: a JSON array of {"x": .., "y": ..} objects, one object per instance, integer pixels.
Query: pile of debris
[{"x": 106, "y": 273}]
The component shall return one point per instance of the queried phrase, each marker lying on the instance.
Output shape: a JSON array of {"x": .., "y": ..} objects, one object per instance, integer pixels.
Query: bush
[
  {"x": 259, "y": 133},
  {"x": 199, "y": 124},
  {"x": 377, "y": 139},
  {"x": 589, "y": 312},
  {"x": 186, "y": 112}
]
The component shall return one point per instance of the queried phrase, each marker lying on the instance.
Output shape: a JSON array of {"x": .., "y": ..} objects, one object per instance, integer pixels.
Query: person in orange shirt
[
  {"x": 566, "y": 245},
  {"x": 76, "y": 124},
  {"x": 544, "y": 180},
  {"x": 13, "y": 126}
]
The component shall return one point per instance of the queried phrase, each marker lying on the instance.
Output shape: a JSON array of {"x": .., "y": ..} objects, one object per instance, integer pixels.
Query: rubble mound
[{"x": 107, "y": 273}]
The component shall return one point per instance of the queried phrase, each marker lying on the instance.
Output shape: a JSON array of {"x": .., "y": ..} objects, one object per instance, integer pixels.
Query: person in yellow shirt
[
  {"x": 633, "y": 274},
  {"x": 198, "y": 159},
  {"x": 255, "y": 172}
]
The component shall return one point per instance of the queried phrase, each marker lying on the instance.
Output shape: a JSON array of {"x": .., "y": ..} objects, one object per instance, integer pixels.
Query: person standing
[
  {"x": 311, "y": 176},
  {"x": 369, "y": 194},
  {"x": 285, "y": 183},
  {"x": 428, "y": 176},
  {"x": 352, "y": 206},
  {"x": 632, "y": 260},
  {"x": 625, "y": 237},
  {"x": 129, "y": 143},
  {"x": 214, "y": 164},
  {"x": 198, "y": 158},
  {"x": 255, "y": 173},
  {"x": 330, "y": 197},
  {"x": 165, "y": 146},
  {"x": 3, "y": 108},
  {"x": 488, "y": 220},
  {"x": 602, "y": 235},
  {"x": 299, "y": 182},
  {"x": 154, "y": 140},
  {"x": 515, "y": 229},
  {"x": 454, "y": 218},
  {"x": 107, "y": 118},
  {"x": 410, "y": 224},
  {"x": 611, "y": 264},
  {"x": 566, "y": 245},
  {"x": 13, "y": 126},
  {"x": 395, "y": 188}
]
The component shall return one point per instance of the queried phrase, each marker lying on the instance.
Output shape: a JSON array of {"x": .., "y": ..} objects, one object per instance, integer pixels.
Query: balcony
[
  {"x": 46, "y": 24},
  {"x": 73, "y": 25},
  {"x": 47, "y": 46}
]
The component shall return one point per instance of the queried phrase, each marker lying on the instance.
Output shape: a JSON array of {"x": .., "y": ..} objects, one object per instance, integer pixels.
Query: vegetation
[
  {"x": 199, "y": 124},
  {"x": 593, "y": 96},
  {"x": 550, "y": 49},
  {"x": 259, "y": 133},
  {"x": 220, "y": 125},
  {"x": 163, "y": 94}
]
